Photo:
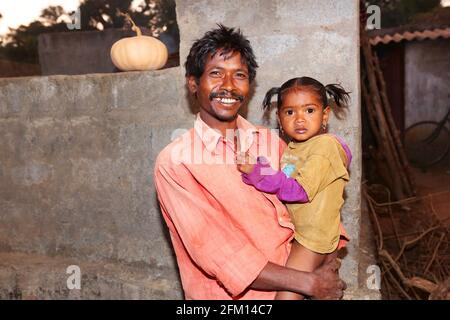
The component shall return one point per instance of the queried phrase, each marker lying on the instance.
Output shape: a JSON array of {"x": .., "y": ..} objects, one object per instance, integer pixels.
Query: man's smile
[
  {"x": 226, "y": 98},
  {"x": 226, "y": 101}
]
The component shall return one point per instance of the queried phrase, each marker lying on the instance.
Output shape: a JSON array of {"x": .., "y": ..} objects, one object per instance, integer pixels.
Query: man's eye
[
  {"x": 241, "y": 75},
  {"x": 214, "y": 73}
]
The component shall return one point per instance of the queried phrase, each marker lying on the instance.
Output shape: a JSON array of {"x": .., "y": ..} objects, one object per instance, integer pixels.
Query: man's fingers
[{"x": 334, "y": 265}]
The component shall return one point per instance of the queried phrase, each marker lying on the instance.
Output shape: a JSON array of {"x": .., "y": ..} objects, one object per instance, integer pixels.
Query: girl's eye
[
  {"x": 310, "y": 110},
  {"x": 289, "y": 112}
]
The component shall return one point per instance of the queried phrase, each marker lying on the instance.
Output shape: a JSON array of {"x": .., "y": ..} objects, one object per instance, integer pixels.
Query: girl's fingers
[
  {"x": 245, "y": 158},
  {"x": 240, "y": 158}
]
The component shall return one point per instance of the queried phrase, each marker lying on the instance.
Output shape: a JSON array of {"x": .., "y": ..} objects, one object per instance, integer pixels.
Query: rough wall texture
[
  {"x": 76, "y": 163},
  {"x": 427, "y": 80},
  {"x": 295, "y": 38},
  {"x": 77, "y": 152}
]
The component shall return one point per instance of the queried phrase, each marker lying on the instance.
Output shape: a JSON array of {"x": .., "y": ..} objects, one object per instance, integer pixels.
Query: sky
[
  {"x": 17, "y": 12},
  {"x": 29, "y": 10}
]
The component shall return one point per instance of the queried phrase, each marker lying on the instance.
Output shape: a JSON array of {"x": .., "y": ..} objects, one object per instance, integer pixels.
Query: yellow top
[{"x": 319, "y": 165}]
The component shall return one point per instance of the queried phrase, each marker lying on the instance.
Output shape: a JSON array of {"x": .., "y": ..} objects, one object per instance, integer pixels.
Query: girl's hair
[{"x": 336, "y": 92}]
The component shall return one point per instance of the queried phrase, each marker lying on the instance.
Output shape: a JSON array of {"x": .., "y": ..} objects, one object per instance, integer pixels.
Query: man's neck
[{"x": 217, "y": 124}]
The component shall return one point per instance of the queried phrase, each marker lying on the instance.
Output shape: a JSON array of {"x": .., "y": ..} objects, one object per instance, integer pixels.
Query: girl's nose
[{"x": 299, "y": 118}]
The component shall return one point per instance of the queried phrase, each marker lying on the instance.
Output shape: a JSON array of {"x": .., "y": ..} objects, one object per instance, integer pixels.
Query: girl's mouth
[{"x": 300, "y": 131}]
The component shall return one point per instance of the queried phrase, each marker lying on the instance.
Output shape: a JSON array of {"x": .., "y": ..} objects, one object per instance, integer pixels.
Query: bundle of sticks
[
  {"x": 389, "y": 151},
  {"x": 414, "y": 255}
]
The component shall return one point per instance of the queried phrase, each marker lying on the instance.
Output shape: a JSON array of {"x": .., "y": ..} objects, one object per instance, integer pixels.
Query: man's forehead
[{"x": 221, "y": 57}]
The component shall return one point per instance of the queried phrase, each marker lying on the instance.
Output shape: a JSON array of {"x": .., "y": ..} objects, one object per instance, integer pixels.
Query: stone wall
[
  {"x": 296, "y": 38},
  {"x": 427, "y": 80},
  {"x": 76, "y": 163}
]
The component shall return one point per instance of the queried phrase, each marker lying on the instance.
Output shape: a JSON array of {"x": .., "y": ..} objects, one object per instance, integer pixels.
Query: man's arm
[
  {"x": 220, "y": 250},
  {"x": 323, "y": 283}
]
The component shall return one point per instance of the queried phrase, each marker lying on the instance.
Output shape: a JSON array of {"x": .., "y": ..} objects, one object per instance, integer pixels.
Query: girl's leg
[{"x": 302, "y": 259}]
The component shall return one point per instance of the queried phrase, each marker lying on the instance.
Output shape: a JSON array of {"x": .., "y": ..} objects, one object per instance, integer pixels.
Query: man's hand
[
  {"x": 245, "y": 162},
  {"x": 326, "y": 284}
]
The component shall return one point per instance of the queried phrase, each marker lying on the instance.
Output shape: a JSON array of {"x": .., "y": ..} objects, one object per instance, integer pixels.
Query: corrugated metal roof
[{"x": 397, "y": 36}]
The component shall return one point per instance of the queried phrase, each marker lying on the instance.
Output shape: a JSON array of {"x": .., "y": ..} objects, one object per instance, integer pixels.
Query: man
[{"x": 231, "y": 241}]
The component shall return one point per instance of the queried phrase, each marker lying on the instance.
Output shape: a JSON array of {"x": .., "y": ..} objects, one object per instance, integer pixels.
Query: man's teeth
[{"x": 226, "y": 100}]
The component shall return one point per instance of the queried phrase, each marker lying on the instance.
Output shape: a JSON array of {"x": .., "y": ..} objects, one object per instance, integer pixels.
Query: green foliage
[{"x": 400, "y": 12}]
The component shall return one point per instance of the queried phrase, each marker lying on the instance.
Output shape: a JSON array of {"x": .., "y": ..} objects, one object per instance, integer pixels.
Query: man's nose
[{"x": 227, "y": 83}]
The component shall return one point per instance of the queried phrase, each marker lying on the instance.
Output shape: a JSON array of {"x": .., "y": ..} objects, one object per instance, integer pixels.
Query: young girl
[{"x": 314, "y": 170}]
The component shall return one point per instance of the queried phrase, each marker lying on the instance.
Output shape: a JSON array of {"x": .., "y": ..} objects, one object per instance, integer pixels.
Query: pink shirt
[{"x": 223, "y": 231}]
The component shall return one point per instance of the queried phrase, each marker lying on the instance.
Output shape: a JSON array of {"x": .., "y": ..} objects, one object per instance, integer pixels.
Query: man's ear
[{"x": 192, "y": 84}]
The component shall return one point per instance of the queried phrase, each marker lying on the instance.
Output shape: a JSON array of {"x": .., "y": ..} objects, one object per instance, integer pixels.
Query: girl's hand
[{"x": 245, "y": 162}]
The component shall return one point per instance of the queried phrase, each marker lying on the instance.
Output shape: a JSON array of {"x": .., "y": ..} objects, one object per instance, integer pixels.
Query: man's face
[{"x": 223, "y": 86}]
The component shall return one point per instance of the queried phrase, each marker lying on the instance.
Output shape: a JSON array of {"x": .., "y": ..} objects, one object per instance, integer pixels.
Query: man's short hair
[{"x": 226, "y": 39}]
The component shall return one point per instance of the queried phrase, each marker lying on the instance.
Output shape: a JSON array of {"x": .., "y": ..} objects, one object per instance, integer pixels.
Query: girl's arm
[{"x": 266, "y": 179}]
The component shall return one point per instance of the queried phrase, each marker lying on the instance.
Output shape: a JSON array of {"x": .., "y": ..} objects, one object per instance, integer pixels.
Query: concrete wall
[
  {"x": 76, "y": 162},
  {"x": 427, "y": 80},
  {"x": 82, "y": 52},
  {"x": 295, "y": 38},
  {"x": 77, "y": 152}
]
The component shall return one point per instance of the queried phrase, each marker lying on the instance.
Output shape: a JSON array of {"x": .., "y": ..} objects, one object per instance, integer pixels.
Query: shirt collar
[{"x": 211, "y": 137}]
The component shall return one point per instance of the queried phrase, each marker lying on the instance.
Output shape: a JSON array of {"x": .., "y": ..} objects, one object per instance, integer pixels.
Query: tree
[
  {"x": 21, "y": 44},
  {"x": 158, "y": 15},
  {"x": 103, "y": 12},
  {"x": 52, "y": 14},
  {"x": 401, "y": 12}
]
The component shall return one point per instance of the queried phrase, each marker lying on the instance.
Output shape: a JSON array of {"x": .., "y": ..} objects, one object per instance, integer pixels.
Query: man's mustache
[{"x": 226, "y": 94}]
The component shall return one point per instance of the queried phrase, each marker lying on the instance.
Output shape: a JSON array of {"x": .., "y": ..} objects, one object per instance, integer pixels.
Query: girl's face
[{"x": 301, "y": 114}]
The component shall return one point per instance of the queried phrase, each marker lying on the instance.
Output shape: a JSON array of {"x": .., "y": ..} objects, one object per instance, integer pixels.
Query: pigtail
[
  {"x": 267, "y": 102},
  {"x": 340, "y": 98}
]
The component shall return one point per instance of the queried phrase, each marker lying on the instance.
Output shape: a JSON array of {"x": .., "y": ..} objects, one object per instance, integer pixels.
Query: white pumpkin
[{"x": 139, "y": 53}]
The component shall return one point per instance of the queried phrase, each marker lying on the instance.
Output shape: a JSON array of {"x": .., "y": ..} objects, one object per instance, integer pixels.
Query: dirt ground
[
  {"x": 435, "y": 181},
  {"x": 408, "y": 231}
]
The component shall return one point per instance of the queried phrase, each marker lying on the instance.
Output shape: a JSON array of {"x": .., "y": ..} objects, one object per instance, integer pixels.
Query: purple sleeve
[
  {"x": 265, "y": 179},
  {"x": 348, "y": 153}
]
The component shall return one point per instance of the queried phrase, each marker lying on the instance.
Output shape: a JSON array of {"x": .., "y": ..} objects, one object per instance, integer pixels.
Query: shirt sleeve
[
  {"x": 211, "y": 240},
  {"x": 265, "y": 179}
]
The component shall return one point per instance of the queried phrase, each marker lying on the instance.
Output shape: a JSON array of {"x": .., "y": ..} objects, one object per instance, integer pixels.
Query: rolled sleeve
[{"x": 237, "y": 271}]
